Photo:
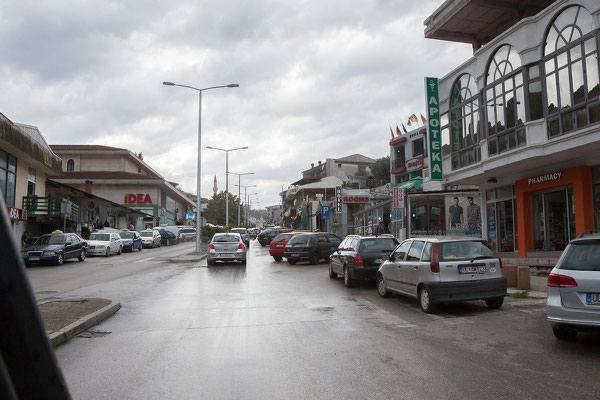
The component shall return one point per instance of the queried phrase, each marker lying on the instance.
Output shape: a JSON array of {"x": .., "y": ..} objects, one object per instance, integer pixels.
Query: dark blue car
[
  {"x": 131, "y": 240},
  {"x": 55, "y": 248}
]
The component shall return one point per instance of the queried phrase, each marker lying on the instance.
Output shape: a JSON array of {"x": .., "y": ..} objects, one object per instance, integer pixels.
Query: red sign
[
  {"x": 357, "y": 199},
  {"x": 139, "y": 198},
  {"x": 13, "y": 213},
  {"x": 414, "y": 163},
  {"x": 398, "y": 197}
]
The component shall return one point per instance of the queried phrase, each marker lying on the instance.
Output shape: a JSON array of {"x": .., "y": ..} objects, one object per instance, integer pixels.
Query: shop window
[
  {"x": 464, "y": 122},
  {"x": 571, "y": 72},
  {"x": 71, "y": 165},
  {"x": 505, "y": 101},
  {"x": 31, "y": 178},
  {"x": 8, "y": 175}
]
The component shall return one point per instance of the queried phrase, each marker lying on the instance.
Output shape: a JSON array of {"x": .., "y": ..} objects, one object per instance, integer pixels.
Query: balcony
[{"x": 34, "y": 205}]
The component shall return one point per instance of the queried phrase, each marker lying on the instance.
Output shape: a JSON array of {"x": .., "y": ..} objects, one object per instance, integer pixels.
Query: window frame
[{"x": 460, "y": 153}]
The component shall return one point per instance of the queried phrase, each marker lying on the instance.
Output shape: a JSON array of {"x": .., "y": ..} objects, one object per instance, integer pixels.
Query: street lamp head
[
  {"x": 232, "y": 85},
  {"x": 168, "y": 84}
]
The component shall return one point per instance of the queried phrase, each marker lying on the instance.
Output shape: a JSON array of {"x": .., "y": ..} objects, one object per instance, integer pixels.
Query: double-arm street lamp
[
  {"x": 199, "y": 167},
  {"x": 245, "y": 199},
  {"x": 227, "y": 178},
  {"x": 239, "y": 192}
]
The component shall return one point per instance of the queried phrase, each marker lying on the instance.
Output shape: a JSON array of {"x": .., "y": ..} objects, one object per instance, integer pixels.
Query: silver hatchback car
[
  {"x": 573, "y": 302},
  {"x": 226, "y": 247},
  {"x": 435, "y": 270}
]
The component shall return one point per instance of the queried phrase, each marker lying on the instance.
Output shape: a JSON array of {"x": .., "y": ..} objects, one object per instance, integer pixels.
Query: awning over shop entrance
[{"x": 413, "y": 185}]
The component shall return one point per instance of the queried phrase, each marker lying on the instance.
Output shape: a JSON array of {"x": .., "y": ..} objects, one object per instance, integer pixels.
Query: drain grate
[
  {"x": 46, "y": 292},
  {"x": 93, "y": 334}
]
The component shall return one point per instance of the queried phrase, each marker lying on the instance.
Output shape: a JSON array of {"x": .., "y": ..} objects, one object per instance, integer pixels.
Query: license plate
[
  {"x": 34, "y": 259},
  {"x": 378, "y": 260},
  {"x": 471, "y": 269},
  {"x": 592, "y": 298},
  {"x": 226, "y": 255},
  {"x": 279, "y": 245},
  {"x": 295, "y": 255}
]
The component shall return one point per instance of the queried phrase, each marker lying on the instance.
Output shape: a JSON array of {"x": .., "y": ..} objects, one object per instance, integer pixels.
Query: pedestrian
[
  {"x": 131, "y": 227},
  {"x": 379, "y": 229},
  {"x": 24, "y": 239}
]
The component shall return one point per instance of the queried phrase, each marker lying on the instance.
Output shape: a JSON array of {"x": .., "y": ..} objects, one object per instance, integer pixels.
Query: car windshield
[
  {"x": 465, "y": 250},
  {"x": 146, "y": 234},
  {"x": 226, "y": 239},
  {"x": 582, "y": 256},
  {"x": 104, "y": 237},
  {"x": 50, "y": 239},
  {"x": 300, "y": 239},
  {"x": 238, "y": 230},
  {"x": 282, "y": 237},
  {"x": 126, "y": 235},
  {"x": 380, "y": 244},
  {"x": 188, "y": 231}
]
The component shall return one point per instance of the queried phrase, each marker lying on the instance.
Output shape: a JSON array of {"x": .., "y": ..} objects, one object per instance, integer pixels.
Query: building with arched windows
[{"x": 521, "y": 118}]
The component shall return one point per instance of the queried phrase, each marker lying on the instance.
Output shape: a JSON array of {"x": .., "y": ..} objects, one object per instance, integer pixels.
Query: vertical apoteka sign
[{"x": 433, "y": 129}]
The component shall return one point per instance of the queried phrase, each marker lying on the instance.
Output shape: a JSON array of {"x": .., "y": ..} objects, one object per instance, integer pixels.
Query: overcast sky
[{"x": 318, "y": 79}]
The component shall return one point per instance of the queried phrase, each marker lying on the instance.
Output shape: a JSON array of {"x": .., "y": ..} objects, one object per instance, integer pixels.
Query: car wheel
[
  {"x": 314, "y": 258},
  {"x": 277, "y": 258},
  {"x": 81, "y": 255},
  {"x": 292, "y": 262},
  {"x": 60, "y": 259},
  {"x": 495, "y": 304},
  {"x": 244, "y": 261},
  {"x": 141, "y": 247},
  {"x": 210, "y": 262},
  {"x": 563, "y": 333},
  {"x": 107, "y": 252},
  {"x": 160, "y": 244},
  {"x": 168, "y": 243},
  {"x": 348, "y": 281},
  {"x": 27, "y": 264},
  {"x": 381, "y": 289},
  {"x": 427, "y": 305},
  {"x": 120, "y": 250},
  {"x": 332, "y": 275}
]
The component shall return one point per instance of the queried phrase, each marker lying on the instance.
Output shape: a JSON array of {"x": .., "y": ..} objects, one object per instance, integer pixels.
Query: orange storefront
[{"x": 553, "y": 208}]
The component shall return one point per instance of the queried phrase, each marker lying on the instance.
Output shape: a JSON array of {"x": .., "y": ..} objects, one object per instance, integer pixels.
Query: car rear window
[
  {"x": 126, "y": 235},
  {"x": 146, "y": 233},
  {"x": 226, "y": 238},
  {"x": 105, "y": 237},
  {"x": 282, "y": 237},
  {"x": 380, "y": 244},
  {"x": 582, "y": 256},
  {"x": 467, "y": 250},
  {"x": 239, "y": 230},
  {"x": 300, "y": 239}
]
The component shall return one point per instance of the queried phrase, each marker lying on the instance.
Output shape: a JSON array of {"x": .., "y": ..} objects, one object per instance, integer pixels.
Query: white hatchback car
[
  {"x": 150, "y": 238},
  {"x": 104, "y": 244}
]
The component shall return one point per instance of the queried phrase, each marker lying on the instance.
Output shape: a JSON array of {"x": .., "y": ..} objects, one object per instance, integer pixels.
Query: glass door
[
  {"x": 506, "y": 239},
  {"x": 560, "y": 219}
]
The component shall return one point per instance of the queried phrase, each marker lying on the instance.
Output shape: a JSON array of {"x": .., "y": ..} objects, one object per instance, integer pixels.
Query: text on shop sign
[
  {"x": 139, "y": 198},
  {"x": 545, "y": 178},
  {"x": 356, "y": 199}
]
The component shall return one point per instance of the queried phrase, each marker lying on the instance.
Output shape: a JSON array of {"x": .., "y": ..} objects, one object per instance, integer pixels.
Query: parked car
[
  {"x": 104, "y": 244},
  {"x": 277, "y": 246},
  {"x": 187, "y": 233},
  {"x": 243, "y": 233},
  {"x": 359, "y": 257},
  {"x": 435, "y": 270},
  {"x": 167, "y": 238},
  {"x": 312, "y": 247},
  {"x": 174, "y": 229},
  {"x": 573, "y": 302},
  {"x": 150, "y": 238},
  {"x": 226, "y": 247},
  {"x": 55, "y": 248},
  {"x": 266, "y": 236},
  {"x": 131, "y": 240}
]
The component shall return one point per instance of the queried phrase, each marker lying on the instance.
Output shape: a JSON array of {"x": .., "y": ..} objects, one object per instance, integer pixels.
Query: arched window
[
  {"x": 464, "y": 122},
  {"x": 71, "y": 165},
  {"x": 571, "y": 72},
  {"x": 505, "y": 102}
]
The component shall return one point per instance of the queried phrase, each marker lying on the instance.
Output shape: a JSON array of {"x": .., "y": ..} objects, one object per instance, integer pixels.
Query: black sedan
[
  {"x": 55, "y": 248},
  {"x": 167, "y": 238},
  {"x": 311, "y": 247}
]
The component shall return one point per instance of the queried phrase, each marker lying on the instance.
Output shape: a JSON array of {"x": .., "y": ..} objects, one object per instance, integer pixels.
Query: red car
[{"x": 278, "y": 243}]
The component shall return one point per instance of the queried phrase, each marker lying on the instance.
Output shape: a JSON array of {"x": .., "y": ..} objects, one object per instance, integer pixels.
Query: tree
[
  {"x": 215, "y": 209},
  {"x": 381, "y": 170}
]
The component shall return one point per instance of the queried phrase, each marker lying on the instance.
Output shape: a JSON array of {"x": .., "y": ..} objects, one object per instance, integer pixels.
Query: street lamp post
[
  {"x": 199, "y": 166},
  {"x": 239, "y": 192},
  {"x": 249, "y": 206},
  {"x": 227, "y": 177},
  {"x": 245, "y": 200}
]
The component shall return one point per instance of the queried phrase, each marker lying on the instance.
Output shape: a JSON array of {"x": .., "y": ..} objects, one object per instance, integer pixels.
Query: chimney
[
  {"x": 312, "y": 164},
  {"x": 88, "y": 186},
  {"x": 319, "y": 162}
]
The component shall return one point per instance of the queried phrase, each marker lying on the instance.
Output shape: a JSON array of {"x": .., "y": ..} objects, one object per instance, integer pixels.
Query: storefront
[
  {"x": 501, "y": 216},
  {"x": 555, "y": 207}
]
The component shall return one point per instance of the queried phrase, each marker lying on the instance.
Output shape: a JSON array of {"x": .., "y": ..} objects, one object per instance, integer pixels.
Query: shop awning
[{"x": 413, "y": 185}]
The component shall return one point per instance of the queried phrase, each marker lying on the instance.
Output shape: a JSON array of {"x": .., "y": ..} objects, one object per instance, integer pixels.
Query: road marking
[{"x": 145, "y": 259}]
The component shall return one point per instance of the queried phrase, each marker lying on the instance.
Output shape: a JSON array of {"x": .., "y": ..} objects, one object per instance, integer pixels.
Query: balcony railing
[
  {"x": 49, "y": 206},
  {"x": 398, "y": 163}
]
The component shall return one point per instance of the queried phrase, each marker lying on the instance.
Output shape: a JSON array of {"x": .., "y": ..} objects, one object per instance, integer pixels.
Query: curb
[
  {"x": 183, "y": 260},
  {"x": 68, "y": 332}
]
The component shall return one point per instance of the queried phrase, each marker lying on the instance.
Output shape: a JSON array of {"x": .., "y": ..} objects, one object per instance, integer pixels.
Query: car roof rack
[{"x": 588, "y": 232}]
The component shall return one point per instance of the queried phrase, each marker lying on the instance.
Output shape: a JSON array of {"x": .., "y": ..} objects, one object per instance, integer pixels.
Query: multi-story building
[
  {"x": 521, "y": 118},
  {"x": 406, "y": 155},
  {"x": 352, "y": 170},
  {"x": 124, "y": 178}
]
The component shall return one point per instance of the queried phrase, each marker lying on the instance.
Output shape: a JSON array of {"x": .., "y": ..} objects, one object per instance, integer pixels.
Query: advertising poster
[{"x": 463, "y": 214}]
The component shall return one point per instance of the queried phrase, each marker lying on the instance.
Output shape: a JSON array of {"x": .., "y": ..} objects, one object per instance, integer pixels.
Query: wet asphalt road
[{"x": 274, "y": 331}]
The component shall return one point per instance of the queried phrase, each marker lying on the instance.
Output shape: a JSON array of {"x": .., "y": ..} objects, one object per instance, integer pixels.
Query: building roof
[
  {"x": 327, "y": 182},
  {"x": 84, "y": 147},
  {"x": 478, "y": 21},
  {"x": 355, "y": 159},
  {"x": 105, "y": 175}
]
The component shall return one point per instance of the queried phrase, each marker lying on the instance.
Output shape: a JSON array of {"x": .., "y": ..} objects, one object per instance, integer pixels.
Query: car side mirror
[
  {"x": 339, "y": 251},
  {"x": 67, "y": 243},
  {"x": 391, "y": 257}
]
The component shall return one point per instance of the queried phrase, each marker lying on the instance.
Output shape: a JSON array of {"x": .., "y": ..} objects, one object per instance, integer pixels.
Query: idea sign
[{"x": 139, "y": 198}]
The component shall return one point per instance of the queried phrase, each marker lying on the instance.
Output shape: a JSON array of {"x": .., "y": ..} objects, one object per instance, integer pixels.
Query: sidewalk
[
  {"x": 538, "y": 286},
  {"x": 191, "y": 257},
  {"x": 66, "y": 318}
]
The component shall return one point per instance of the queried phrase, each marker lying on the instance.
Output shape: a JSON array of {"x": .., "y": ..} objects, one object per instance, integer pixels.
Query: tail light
[
  {"x": 434, "y": 265},
  {"x": 358, "y": 260},
  {"x": 211, "y": 246},
  {"x": 241, "y": 246},
  {"x": 557, "y": 280}
]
